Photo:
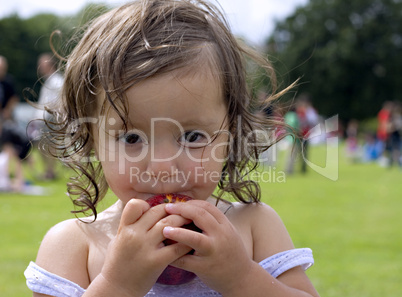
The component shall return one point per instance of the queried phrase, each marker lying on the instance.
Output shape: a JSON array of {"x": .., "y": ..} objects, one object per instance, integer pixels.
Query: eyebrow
[
  {"x": 195, "y": 122},
  {"x": 204, "y": 122}
]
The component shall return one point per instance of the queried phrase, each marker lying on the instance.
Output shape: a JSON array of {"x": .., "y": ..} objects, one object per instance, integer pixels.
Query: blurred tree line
[
  {"x": 22, "y": 41},
  {"x": 348, "y": 54}
]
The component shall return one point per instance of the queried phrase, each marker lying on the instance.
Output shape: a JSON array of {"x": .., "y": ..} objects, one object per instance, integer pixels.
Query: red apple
[
  {"x": 172, "y": 275},
  {"x": 167, "y": 198}
]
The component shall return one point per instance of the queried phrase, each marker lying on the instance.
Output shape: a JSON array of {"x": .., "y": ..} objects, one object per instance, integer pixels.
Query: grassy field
[{"x": 352, "y": 225}]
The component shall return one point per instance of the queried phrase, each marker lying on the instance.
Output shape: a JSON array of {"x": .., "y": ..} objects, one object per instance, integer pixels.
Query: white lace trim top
[{"x": 41, "y": 281}]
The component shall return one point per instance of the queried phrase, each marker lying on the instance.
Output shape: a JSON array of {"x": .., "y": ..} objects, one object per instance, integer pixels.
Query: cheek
[
  {"x": 213, "y": 155},
  {"x": 219, "y": 153},
  {"x": 118, "y": 175},
  {"x": 112, "y": 175},
  {"x": 206, "y": 168}
]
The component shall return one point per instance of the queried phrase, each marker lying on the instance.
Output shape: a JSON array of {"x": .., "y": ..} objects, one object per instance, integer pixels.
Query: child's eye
[
  {"x": 194, "y": 138},
  {"x": 132, "y": 138}
]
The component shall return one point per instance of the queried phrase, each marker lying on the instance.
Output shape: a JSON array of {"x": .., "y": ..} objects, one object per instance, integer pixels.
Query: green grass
[{"x": 352, "y": 225}]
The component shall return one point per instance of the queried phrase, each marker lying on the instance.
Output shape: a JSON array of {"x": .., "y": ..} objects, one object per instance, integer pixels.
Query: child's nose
[{"x": 163, "y": 159}]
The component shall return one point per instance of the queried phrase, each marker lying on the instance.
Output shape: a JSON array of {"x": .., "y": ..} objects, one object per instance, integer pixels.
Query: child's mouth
[{"x": 167, "y": 198}]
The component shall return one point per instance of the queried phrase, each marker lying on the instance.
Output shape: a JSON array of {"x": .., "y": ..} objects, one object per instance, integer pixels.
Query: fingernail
[
  {"x": 167, "y": 230},
  {"x": 169, "y": 206}
]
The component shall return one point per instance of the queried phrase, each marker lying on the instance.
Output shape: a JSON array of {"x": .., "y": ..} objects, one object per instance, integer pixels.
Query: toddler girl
[{"x": 155, "y": 102}]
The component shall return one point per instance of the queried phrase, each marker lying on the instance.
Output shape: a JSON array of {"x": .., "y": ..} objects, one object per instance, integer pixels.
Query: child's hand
[
  {"x": 137, "y": 255},
  {"x": 220, "y": 254}
]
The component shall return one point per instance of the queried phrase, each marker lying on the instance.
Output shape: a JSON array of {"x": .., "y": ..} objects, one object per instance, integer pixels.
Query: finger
[
  {"x": 174, "y": 251},
  {"x": 133, "y": 210},
  {"x": 152, "y": 216},
  {"x": 188, "y": 262},
  {"x": 211, "y": 208},
  {"x": 171, "y": 221},
  {"x": 203, "y": 214},
  {"x": 197, "y": 241}
]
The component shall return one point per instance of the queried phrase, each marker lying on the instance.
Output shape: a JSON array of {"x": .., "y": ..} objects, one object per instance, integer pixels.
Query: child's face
[{"x": 173, "y": 144}]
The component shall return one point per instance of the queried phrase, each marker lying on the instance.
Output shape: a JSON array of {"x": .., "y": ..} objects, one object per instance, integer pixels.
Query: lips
[{"x": 172, "y": 275}]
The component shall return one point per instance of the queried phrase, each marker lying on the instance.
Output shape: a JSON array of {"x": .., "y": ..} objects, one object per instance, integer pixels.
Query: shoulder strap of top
[
  {"x": 41, "y": 281},
  {"x": 284, "y": 261}
]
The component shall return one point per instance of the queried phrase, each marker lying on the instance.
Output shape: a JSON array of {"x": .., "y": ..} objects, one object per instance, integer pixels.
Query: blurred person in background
[
  {"x": 352, "y": 144},
  {"x": 48, "y": 96},
  {"x": 394, "y": 134},
  {"x": 8, "y": 96},
  {"x": 308, "y": 119},
  {"x": 14, "y": 143},
  {"x": 292, "y": 120},
  {"x": 383, "y": 119}
]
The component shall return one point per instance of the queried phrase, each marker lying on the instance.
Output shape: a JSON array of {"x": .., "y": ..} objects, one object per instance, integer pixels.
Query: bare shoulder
[
  {"x": 66, "y": 247},
  {"x": 64, "y": 251},
  {"x": 269, "y": 234},
  {"x": 61, "y": 237},
  {"x": 257, "y": 214},
  {"x": 260, "y": 209}
]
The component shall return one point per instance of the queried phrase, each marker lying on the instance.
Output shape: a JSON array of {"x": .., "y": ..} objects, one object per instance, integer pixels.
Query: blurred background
[{"x": 347, "y": 56}]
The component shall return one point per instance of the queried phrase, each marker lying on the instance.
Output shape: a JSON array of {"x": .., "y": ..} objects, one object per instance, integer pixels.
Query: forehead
[
  {"x": 203, "y": 66},
  {"x": 188, "y": 96},
  {"x": 196, "y": 86},
  {"x": 199, "y": 85}
]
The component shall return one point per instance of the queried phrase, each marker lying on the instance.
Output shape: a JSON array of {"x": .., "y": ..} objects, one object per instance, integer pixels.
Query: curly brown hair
[{"x": 137, "y": 41}]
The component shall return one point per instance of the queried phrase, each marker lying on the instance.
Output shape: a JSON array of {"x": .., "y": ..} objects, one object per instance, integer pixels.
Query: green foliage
[
  {"x": 23, "y": 40},
  {"x": 22, "y": 43},
  {"x": 348, "y": 54}
]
